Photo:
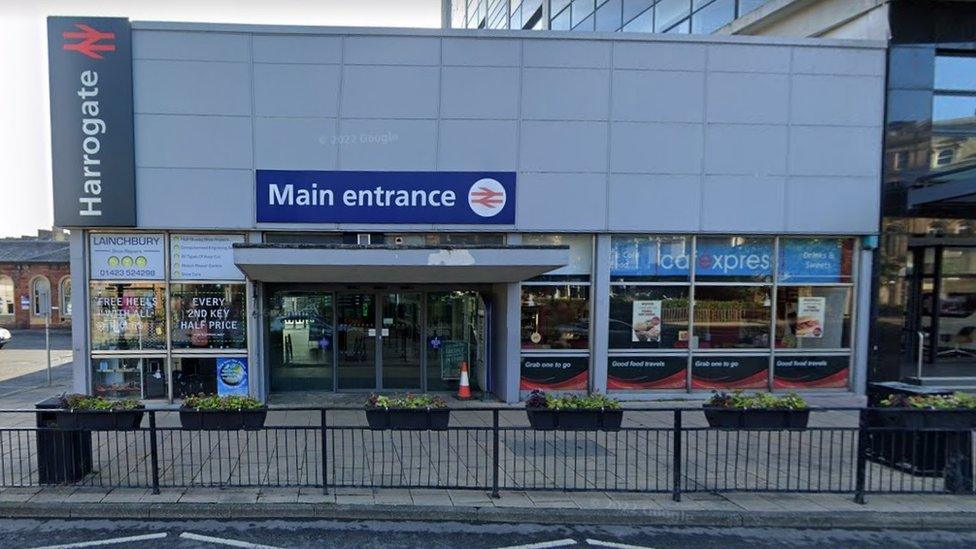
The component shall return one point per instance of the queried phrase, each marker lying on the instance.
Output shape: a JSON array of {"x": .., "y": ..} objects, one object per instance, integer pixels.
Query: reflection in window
[
  {"x": 943, "y": 157},
  {"x": 555, "y": 317},
  {"x": 140, "y": 378},
  {"x": 6, "y": 295},
  {"x": 194, "y": 376},
  {"x": 729, "y": 317},
  {"x": 300, "y": 340},
  {"x": 127, "y": 316},
  {"x": 455, "y": 332},
  {"x": 40, "y": 295},
  {"x": 650, "y": 258},
  {"x": 813, "y": 317},
  {"x": 648, "y": 317},
  {"x": 955, "y": 72},
  {"x": 65, "y": 293}
]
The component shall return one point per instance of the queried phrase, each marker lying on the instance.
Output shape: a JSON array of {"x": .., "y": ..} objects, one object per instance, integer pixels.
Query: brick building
[{"x": 27, "y": 266}]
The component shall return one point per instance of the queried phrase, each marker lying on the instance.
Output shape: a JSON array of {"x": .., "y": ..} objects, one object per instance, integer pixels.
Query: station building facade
[{"x": 309, "y": 210}]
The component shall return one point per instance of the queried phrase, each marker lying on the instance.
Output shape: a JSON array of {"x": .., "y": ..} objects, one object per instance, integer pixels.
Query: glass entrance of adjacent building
[
  {"x": 943, "y": 306},
  {"x": 380, "y": 339}
]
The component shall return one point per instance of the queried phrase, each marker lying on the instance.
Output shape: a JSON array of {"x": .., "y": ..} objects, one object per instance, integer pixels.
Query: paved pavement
[
  {"x": 271, "y": 534},
  {"x": 23, "y": 368}
]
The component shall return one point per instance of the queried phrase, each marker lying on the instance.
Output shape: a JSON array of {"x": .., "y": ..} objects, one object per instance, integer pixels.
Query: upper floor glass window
[{"x": 955, "y": 72}]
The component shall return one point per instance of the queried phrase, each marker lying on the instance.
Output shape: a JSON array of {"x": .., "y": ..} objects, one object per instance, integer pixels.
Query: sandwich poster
[
  {"x": 810, "y": 317},
  {"x": 646, "y": 321}
]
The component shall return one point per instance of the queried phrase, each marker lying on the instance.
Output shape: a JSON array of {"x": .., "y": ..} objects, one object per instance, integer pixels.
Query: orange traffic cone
[{"x": 464, "y": 386}]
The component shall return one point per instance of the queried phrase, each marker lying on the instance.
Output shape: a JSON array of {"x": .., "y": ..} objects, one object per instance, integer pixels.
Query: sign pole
[{"x": 47, "y": 343}]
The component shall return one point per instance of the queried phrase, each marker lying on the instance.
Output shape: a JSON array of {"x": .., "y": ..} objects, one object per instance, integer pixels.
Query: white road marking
[
  {"x": 111, "y": 541},
  {"x": 224, "y": 541},
  {"x": 543, "y": 544},
  {"x": 615, "y": 545}
]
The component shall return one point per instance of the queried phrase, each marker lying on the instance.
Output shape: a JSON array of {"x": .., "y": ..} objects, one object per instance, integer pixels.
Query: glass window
[
  {"x": 40, "y": 295},
  {"x": 608, "y": 16},
  {"x": 118, "y": 377},
  {"x": 65, "y": 293},
  {"x": 644, "y": 22},
  {"x": 813, "y": 317},
  {"x": 713, "y": 16},
  {"x": 6, "y": 296},
  {"x": 300, "y": 340},
  {"x": 194, "y": 376},
  {"x": 955, "y": 72},
  {"x": 208, "y": 316},
  {"x": 649, "y": 258},
  {"x": 127, "y": 316},
  {"x": 732, "y": 317},
  {"x": 736, "y": 258},
  {"x": 816, "y": 260},
  {"x": 580, "y": 252},
  {"x": 648, "y": 317},
  {"x": 633, "y": 8},
  {"x": 582, "y": 9},
  {"x": 953, "y": 113},
  {"x": 560, "y": 21},
  {"x": 669, "y": 12},
  {"x": 555, "y": 317},
  {"x": 455, "y": 333}
]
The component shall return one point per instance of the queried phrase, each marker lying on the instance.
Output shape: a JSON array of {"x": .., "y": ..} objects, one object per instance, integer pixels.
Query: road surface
[{"x": 381, "y": 534}]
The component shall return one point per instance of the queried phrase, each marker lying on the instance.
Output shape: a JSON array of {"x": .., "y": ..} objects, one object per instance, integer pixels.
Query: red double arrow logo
[{"x": 89, "y": 41}]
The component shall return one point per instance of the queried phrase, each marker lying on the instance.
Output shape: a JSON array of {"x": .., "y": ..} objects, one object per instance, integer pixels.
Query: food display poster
[
  {"x": 810, "y": 317},
  {"x": 646, "y": 320}
]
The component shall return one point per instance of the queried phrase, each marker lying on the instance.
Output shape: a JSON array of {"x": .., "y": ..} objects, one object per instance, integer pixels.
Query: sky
[{"x": 25, "y": 140}]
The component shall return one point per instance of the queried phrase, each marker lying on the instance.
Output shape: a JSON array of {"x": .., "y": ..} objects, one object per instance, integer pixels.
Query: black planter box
[
  {"x": 223, "y": 420},
  {"x": 914, "y": 418},
  {"x": 945, "y": 451},
  {"x": 408, "y": 419},
  {"x": 737, "y": 418},
  {"x": 84, "y": 420},
  {"x": 544, "y": 419}
]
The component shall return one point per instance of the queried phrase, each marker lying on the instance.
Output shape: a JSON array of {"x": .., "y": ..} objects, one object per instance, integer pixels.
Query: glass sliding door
[
  {"x": 399, "y": 333},
  {"x": 356, "y": 341},
  {"x": 455, "y": 333},
  {"x": 300, "y": 340}
]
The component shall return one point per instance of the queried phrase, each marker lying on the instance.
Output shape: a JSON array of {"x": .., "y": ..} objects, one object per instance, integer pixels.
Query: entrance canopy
[{"x": 397, "y": 265}]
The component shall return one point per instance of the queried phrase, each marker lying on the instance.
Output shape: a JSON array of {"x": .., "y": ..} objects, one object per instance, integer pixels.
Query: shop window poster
[
  {"x": 232, "y": 376},
  {"x": 646, "y": 321},
  {"x": 810, "y": 317}
]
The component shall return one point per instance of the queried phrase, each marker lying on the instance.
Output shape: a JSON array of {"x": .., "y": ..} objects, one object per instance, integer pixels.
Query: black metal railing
[{"x": 662, "y": 450}]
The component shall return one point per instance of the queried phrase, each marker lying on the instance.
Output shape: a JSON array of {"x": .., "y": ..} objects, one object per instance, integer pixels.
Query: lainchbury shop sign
[
  {"x": 385, "y": 197},
  {"x": 90, "y": 70}
]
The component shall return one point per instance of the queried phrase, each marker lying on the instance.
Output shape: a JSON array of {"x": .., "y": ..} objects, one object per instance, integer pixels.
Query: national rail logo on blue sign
[{"x": 289, "y": 196}]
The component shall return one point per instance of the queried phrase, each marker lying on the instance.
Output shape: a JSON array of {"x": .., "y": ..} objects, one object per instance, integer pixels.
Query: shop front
[{"x": 347, "y": 210}]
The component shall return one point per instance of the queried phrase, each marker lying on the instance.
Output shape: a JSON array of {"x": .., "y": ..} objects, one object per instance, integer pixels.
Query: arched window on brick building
[{"x": 40, "y": 286}]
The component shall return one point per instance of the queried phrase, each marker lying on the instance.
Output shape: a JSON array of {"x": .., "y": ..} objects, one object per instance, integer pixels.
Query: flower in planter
[
  {"x": 954, "y": 401},
  {"x": 758, "y": 401},
  {"x": 214, "y": 402},
  {"x": 97, "y": 403},
  {"x": 408, "y": 401},
  {"x": 595, "y": 401}
]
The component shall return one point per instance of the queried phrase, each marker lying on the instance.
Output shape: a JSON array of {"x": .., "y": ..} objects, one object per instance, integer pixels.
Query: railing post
[
  {"x": 325, "y": 454},
  {"x": 862, "y": 457},
  {"x": 676, "y": 488},
  {"x": 154, "y": 451},
  {"x": 494, "y": 454}
]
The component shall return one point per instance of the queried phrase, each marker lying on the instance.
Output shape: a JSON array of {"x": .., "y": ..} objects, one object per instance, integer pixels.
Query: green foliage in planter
[
  {"x": 931, "y": 402},
  {"x": 408, "y": 401},
  {"x": 214, "y": 402},
  {"x": 97, "y": 403},
  {"x": 759, "y": 401},
  {"x": 596, "y": 401}
]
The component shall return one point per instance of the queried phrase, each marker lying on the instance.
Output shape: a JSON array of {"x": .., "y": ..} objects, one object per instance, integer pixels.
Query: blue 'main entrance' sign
[{"x": 285, "y": 196}]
